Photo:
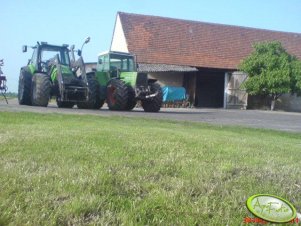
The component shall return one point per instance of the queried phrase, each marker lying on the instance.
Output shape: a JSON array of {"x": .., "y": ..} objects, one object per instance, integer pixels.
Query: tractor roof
[
  {"x": 45, "y": 44},
  {"x": 115, "y": 52}
]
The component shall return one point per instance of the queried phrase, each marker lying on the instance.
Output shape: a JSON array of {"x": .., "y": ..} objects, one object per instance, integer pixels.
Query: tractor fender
[{"x": 26, "y": 70}]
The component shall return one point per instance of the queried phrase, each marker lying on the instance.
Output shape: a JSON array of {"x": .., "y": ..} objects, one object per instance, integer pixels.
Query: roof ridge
[{"x": 211, "y": 23}]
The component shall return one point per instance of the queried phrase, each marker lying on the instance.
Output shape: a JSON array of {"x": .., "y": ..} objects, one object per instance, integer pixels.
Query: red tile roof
[{"x": 160, "y": 40}]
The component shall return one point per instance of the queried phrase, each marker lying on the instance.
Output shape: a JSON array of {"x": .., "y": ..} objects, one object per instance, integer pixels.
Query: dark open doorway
[{"x": 210, "y": 89}]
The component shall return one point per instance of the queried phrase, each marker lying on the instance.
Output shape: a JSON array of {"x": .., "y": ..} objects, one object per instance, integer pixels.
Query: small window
[
  {"x": 103, "y": 63},
  {"x": 106, "y": 64},
  {"x": 34, "y": 57}
]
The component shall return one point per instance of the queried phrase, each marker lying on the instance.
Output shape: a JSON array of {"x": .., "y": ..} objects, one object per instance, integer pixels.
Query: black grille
[{"x": 141, "y": 80}]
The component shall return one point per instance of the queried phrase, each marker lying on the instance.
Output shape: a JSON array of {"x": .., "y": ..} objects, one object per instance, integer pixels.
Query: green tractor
[
  {"x": 121, "y": 86},
  {"x": 53, "y": 72}
]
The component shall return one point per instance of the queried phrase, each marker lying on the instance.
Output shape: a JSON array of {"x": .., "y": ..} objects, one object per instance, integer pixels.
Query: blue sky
[{"x": 71, "y": 21}]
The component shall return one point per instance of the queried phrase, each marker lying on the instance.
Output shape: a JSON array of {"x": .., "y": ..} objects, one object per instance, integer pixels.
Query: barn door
[{"x": 235, "y": 97}]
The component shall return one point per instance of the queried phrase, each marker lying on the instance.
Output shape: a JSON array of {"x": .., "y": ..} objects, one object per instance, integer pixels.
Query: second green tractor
[{"x": 121, "y": 86}]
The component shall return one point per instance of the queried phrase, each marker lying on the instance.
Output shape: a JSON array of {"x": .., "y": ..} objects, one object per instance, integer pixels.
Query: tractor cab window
[
  {"x": 48, "y": 54},
  {"x": 103, "y": 63},
  {"x": 34, "y": 57},
  {"x": 121, "y": 62}
]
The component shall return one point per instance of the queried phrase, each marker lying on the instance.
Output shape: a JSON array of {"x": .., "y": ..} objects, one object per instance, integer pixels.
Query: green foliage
[
  {"x": 89, "y": 170},
  {"x": 8, "y": 95},
  {"x": 296, "y": 70},
  {"x": 272, "y": 71},
  {"x": 11, "y": 94}
]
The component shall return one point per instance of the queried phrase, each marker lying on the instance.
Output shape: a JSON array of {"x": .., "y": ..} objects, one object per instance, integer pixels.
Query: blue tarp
[{"x": 172, "y": 93}]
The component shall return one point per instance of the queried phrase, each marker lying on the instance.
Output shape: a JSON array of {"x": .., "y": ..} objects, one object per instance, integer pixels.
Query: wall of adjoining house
[
  {"x": 168, "y": 78},
  {"x": 90, "y": 66},
  {"x": 286, "y": 102}
]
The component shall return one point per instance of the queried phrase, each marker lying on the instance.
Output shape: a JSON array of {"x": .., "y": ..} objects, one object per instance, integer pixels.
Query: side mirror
[
  {"x": 79, "y": 52},
  {"x": 99, "y": 61},
  {"x": 87, "y": 40},
  {"x": 24, "y": 49}
]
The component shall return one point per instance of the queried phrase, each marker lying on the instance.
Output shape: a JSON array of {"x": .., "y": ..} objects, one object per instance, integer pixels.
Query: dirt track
[{"x": 285, "y": 121}]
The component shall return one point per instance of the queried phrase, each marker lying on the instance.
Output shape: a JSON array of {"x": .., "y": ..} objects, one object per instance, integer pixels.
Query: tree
[{"x": 272, "y": 71}]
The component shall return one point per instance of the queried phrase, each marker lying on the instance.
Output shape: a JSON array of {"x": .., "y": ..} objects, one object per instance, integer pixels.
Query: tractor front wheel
[
  {"x": 94, "y": 101},
  {"x": 153, "y": 104},
  {"x": 40, "y": 90},
  {"x": 24, "y": 88},
  {"x": 117, "y": 95},
  {"x": 131, "y": 99}
]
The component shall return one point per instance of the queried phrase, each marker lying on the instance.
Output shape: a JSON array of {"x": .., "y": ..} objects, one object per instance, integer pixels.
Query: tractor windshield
[
  {"x": 122, "y": 62},
  {"x": 48, "y": 53}
]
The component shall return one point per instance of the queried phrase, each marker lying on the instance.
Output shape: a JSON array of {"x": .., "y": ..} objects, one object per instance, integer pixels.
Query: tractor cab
[
  {"x": 44, "y": 55},
  {"x": 115, "y": 63}
]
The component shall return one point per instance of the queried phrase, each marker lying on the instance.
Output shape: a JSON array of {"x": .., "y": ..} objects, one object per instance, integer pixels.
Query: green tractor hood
[
  {"x": 64, "y": 69},
  {"x": 129, "y": 78}
]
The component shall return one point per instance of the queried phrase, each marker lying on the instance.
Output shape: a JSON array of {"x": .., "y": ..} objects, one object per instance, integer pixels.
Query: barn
[{"x": 202, "y": 57}]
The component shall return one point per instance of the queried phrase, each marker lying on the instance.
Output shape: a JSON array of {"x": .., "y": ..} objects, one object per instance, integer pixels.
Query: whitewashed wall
[
  {"x": 168, "y": 78},
  {"x": 118, "y": 40}
]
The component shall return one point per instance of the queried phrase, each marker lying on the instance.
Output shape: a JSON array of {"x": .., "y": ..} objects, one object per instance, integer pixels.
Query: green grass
[{"x": 86, "y": 170}]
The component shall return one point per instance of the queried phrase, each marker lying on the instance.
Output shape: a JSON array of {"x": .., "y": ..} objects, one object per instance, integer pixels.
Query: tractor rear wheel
[
  {"x": 153, "y": 104},
  {"x": 131, "y": 99},
  {"x": 117, "y": 95},
  {"x": 40, "y": 90},
  {"x": 64, "y": 104},
  {"x": 24, "y": 88},
  {"x": 94, "y": 101}
]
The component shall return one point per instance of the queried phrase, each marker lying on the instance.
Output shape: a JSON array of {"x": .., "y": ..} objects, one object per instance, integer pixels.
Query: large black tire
[
  {"x": 117, "y": 95},
  {"x": 40, "y": 90},
  {"x": 24, "y": 89},
  {"x": 64, "y": 104},
  {"x": 131, "y": 99},
  {"x": 94, "y": 101},
  {"x": 153, "y": 104}
]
